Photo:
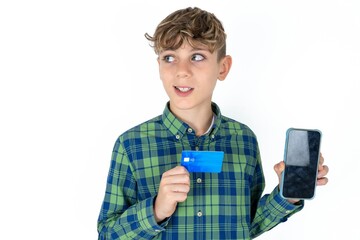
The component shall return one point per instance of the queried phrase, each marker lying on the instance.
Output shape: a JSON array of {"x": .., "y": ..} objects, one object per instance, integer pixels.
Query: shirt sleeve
[
  {"x": 122, "y": 216},
  {"x": 271, "y": 209}
]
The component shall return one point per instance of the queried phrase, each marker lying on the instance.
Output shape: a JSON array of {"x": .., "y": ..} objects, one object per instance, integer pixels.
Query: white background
[{"x": 76, "y": 74}]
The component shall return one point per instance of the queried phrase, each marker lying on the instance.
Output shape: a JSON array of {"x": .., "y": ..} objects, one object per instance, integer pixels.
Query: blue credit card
[{"x": 202, "y": 161}]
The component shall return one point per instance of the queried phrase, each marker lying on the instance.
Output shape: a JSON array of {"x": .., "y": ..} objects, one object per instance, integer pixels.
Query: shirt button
[
  {"x": 177, "y": 137},
  {"x": 198, "y": 180},
  {"x": 287, "y": 211},
  {"x": 212, "y": 136},
  {"x": 190, "y": 130},
  {"x": 199, "y": 214},
  {"x": 197, "y": 148}
]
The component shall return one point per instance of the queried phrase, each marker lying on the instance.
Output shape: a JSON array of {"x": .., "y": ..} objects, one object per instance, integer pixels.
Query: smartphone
[{"x": 301, "y": 157}]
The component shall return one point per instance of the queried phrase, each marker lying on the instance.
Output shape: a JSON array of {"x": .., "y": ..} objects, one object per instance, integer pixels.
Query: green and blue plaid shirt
[{"x": 226, "y": 205}]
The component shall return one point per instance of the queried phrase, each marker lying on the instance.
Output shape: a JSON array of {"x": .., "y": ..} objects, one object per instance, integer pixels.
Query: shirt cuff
[
  {"x": 146, "y": 218},
  {"x": 281, "y": 207}
]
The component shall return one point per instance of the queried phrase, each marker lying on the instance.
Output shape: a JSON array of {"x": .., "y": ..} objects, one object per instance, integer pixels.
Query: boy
[{"x": 148, "y": 195}]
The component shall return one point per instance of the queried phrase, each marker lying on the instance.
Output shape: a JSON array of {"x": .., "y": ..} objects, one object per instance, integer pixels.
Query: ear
[{"x": 225, "y": 65}]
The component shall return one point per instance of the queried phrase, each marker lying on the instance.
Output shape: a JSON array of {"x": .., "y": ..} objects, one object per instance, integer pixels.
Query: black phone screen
[{"x": 301, "y": 158}]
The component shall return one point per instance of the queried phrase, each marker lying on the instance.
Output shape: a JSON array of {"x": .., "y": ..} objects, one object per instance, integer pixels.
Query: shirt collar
[{"x": 179, "y": 128}]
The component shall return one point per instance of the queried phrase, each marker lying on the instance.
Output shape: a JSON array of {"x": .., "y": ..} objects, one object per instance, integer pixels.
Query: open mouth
[{"x": 184, "y": 89}]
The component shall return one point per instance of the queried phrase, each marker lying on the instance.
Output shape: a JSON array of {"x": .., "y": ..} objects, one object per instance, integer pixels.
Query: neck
[{"x": 198, "y": 120}]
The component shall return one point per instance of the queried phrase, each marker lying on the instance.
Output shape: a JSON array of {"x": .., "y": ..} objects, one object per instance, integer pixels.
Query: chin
[{"x": 181, "y": 105}]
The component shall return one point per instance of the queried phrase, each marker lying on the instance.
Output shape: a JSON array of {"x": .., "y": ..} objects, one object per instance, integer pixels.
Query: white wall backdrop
[{"x": 76, "y": 74}]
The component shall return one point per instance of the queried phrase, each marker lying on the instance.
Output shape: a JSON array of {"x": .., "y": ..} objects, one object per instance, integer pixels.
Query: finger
[
  {"x": 323, "y": 172},
  {"x": 175, "y": 171},
  {"x": 176, "y": 179},
  {"x": 180, "y": 188},
  {"x": 174, "y": 188},
  {"x": 322, "y": 181},
  {"x": 179, "y": 196},
  {"x": 279, "y": 167},
  {"x": 321, "y": 159},
  {"x": 320, "y": 168}
]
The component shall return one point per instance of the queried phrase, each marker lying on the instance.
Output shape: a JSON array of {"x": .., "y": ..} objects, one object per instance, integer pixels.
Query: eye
[
  {"x": 168, "y": 58},
  {"x": 197, "y": 57}
]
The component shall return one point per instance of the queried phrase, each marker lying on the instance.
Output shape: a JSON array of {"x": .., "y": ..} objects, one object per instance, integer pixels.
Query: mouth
[{"x": 184, "y": 89}]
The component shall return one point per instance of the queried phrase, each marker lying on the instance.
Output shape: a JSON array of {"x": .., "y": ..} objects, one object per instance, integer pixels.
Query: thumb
[{"x": 279, "y": 168}]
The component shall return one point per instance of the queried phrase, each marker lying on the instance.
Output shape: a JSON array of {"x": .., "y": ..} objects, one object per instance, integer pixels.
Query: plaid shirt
[{"x": 226, "y": 205}]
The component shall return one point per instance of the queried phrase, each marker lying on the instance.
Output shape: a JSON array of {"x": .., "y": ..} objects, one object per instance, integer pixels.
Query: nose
[{"x": 183, "y": 70}]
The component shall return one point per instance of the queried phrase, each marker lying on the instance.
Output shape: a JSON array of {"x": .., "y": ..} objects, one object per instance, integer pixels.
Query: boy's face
[{"x": 189, "y": 76}]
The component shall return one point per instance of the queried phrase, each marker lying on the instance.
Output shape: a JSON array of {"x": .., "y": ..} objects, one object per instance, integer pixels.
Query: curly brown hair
[{"x": 193, "y": 25}]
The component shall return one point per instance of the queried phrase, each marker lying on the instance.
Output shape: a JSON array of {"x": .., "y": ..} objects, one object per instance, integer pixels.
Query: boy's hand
[
  {"x": 321, "y": 179},
  {"x": 322, "y": 172},
  {"x": 174, "y": 187}
]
